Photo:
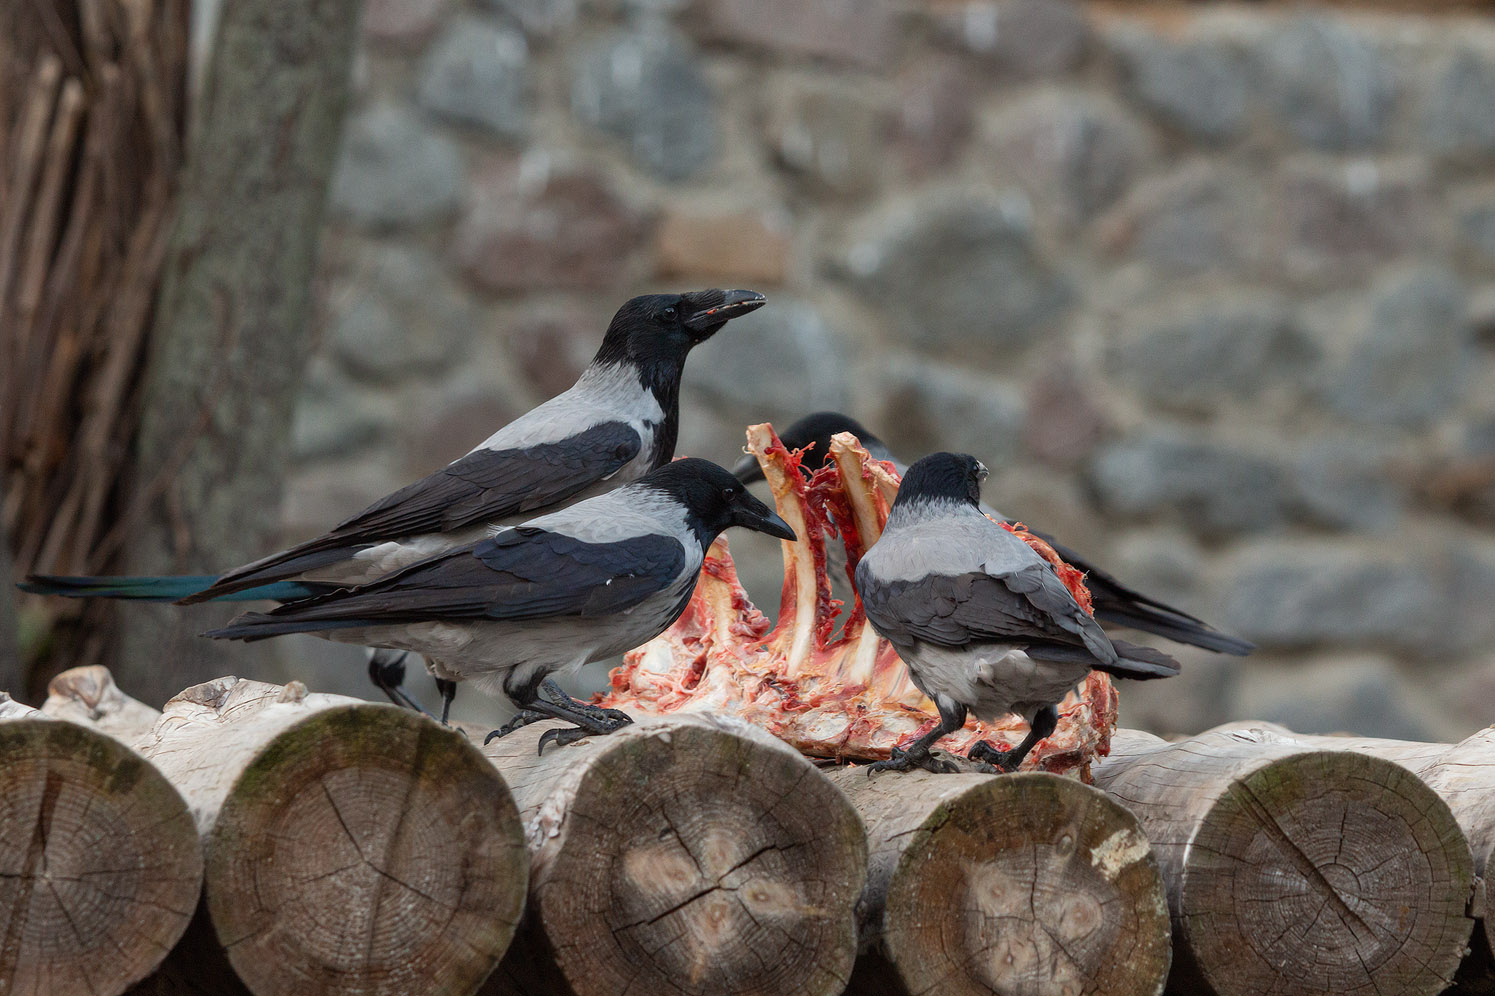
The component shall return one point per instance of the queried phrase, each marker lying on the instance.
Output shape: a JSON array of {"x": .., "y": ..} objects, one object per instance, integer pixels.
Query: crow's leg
[
  {"x": 547, "y": 701},
  {"x": 1045, "y": 721},
  {"x": 387, "y": 672},
  {"x": 448, "y": 690},
  {"x": 952, "y": 718}
]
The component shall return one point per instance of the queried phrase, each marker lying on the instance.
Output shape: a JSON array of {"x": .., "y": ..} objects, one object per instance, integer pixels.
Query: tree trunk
[
  {"x": 350, "y": 847},
  {"x": 684, "y": 854},
  {"x": 12, "y": 676},
  {"x": 1295, "y": 870},
  {"x": 230, "y": 338},
  {"x": 100, "y": 865},
  {"x": 1014, "y": 884}
]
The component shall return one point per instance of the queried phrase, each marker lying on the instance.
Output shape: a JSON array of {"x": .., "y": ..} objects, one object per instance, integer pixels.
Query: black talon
[{"x": 1045, "y": 721}]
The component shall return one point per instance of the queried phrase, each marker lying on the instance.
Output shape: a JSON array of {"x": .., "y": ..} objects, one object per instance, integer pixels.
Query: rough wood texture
[
  {"x": 1463, "y": 775},
  {"x": 1292, "y": 870},
  {"x": 350, "y": 847},
  {"x": 1024, "y": 885},
  {"x": 684, "y": 854},
  {"x": 91, "y": 115},
  {"x": 100, "y": 865},
  {"x": 230, "y": 341},
  {"x": 89, "y": 696}
]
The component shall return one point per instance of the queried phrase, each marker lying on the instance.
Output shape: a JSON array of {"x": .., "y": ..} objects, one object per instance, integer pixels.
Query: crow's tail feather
[{"x": 161, "y": 589}]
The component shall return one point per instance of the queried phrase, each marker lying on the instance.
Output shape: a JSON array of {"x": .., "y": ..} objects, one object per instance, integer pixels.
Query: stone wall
[{"x": 1211, "y": 288}]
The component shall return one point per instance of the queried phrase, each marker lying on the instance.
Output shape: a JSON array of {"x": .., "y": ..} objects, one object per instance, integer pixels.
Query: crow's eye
[
  {"x": 730, "y": 493},
  {"x": 669, "y": 314}
]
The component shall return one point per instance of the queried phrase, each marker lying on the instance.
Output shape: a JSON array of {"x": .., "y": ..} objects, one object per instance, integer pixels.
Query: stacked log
[
  {"x": 1463, "y": 775},
  {"x": 1014, "y": 884},
  {"x": 684, "y": 854},
  {"x": 1297, "y": 870},
  {"x": 100, "y": 866},
  {"x": 349, "y": 847}
]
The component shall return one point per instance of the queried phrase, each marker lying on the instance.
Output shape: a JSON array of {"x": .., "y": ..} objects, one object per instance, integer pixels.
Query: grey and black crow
[
  {"x": 578, "y": 585},
  {"x": 617, "y": 422},
  {"x": 983, "y": 622},
  {"x": 1114, "y": 602}
]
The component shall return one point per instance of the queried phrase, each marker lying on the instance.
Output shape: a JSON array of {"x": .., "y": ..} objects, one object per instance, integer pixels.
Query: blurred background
[{"x": 1210, "y": 287}]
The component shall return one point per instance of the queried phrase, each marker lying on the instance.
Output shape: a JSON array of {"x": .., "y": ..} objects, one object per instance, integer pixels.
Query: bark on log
[
  {"x": 683, "y": 854},
  {"x": 350, "y": 847},
  {"x": 230, "y": 339},
  {"x": 1294, "y": 870},
  {"x": 100, "y": 864},
  {"x": 88, "y": 696},
  {"x": 1463, "y": 775},
  {"x": 1015, "y": 884}
]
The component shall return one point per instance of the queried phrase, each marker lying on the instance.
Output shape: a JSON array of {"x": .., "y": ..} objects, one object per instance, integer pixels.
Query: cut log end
[
  {"x": 675, "y": 856},
  {"x": 100, "y": 865},
  {"x": 1327, "y": 872},
  {"x": 1018, "y": 884},
  {"x": 366, "y": 850}
]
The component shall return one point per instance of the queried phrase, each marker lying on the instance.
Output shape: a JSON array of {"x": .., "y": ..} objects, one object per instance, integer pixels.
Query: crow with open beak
[
  {"x": 1114, "y": 602},
  {"x": 575, "y": 586},
  {"x": 983, "y": 622},
  {"x": 617, "y": 423}
]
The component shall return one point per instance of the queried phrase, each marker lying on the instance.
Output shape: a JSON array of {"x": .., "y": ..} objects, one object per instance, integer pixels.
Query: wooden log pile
[{"x": 255, "y": 838}]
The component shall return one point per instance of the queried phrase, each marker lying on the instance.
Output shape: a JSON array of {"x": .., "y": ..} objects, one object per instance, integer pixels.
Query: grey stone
[
  {"x": 776, "y": 361},
  {"x": 859, "y": 32},
  {"x": 402, "y": 23},
  {"x": 334, "y": 419},
  {"x": 476, "y": 74},
  {"x": 398, "y": 316},
  {"x": 931, "y": 407},
  {"x": 548, "y": 228},
  {"x": 1193, "y": 219},
  {"x": 1217, "y": 490},
  {"x": 394, "y": 170},
  {"x": 1331, "y": 86},
  {"x": 1073, "y": 151},
  {"x": 1365, "y": 696},
  {"x": 536, "y": 18},
  {"x": 1347, "y": 483},
  {"x": 1307, "y": 594},
  {"x": 1410, "y": 363},
  {"x": 1347, "y": 218},
  {"x": 936, "y": 109},
  {"x": 647, "y": 88},
  {"x": 959, "y": 270},
  {"x": 1458, "y": 111},
  {"x": 1477, "y": 225},
  {"x": 1197, "y": 85},
  {"x": 1020, "y": 39},
  {"x": 829, "y": 135},
  {"x": 1200, "y": 351}
]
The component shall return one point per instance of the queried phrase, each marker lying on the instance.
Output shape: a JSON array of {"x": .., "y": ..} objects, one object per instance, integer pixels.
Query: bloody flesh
[{"x": 844, "y": 695}]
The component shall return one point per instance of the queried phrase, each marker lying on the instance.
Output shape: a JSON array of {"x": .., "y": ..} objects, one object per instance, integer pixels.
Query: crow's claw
[
  {"x": 914, "y": 757},
  {"x": 994, "y": 761},
  {"x": 564, "y": 736}
]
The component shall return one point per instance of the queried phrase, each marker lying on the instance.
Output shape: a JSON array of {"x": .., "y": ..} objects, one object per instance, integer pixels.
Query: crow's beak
[
  {"x": 774, "y": 526},
  {"x": 714, "y": 308},
  {"x": 747, "y": 470}
]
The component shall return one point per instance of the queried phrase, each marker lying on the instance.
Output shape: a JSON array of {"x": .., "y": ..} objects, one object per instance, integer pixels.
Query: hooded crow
[
  {"x": 983, "y": 622},
  {"x": 1115, "y": 603},
  {"x": 578, "y": 585},
  {"x": 618, "y": 422}
]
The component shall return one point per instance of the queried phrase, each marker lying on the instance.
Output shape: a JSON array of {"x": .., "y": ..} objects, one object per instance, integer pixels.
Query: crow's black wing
[
  {"x": 483, "y": 486},
  {"x": 525, "y": 573}
]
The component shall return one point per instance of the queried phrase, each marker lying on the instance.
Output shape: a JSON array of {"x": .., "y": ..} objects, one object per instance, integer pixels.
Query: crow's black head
[
  {"x": 714, "y": 500},
  {"x": 951, "y": 477},
  {"x": 816, "y": 429},
  {"x": 657, "y": 330}
]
